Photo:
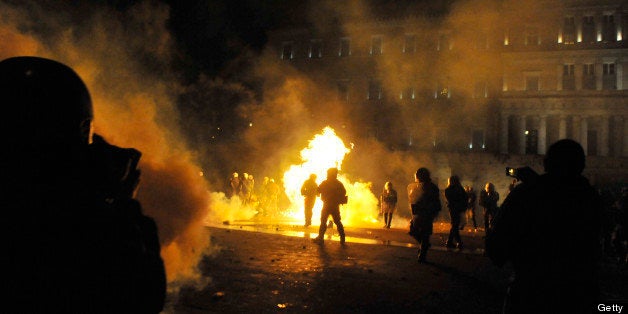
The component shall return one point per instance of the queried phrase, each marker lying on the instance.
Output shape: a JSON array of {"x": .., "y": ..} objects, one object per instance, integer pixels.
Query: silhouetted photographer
[
  {"x": 548, "y": 228},
  {"x": 76, "y": 240}
]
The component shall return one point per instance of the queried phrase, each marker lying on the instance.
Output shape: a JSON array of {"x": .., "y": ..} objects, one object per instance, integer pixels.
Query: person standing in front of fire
[
  {"x": 388, "y": 203},
  {"x": 333, "y": 194},
  {"x": 309, "y": 190}
]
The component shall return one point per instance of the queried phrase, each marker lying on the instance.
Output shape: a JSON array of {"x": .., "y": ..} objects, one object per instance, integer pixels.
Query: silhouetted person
[
  {"x": 76, "y": 240},
  {"x": 309, "y": 190},
  {"x": 388, "y": 203},
  {"x": 235, "y": 184},
  {"x": 488, "y": 200},
  {"x": 333, "y": 194},
  {"x": 424, "y": 199},
  {"x": 548, "y": 228},
  {"x": 471, "y": 200},
  {"x": 457, "y": 204}
]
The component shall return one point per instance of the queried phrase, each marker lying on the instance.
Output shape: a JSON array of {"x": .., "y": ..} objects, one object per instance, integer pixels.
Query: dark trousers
[
  {"x": 454, "y": 232},
  {"x": 334, "y": 211},
  {"x": 488, "y": 217},
  {"x": 387, "y": 219},
  {"x": 308, "y": 204},
  {"x": 420, "y": 230}
]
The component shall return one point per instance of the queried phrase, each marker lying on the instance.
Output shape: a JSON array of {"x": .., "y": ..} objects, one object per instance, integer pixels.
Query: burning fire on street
[{"x": 324, "y": 151}]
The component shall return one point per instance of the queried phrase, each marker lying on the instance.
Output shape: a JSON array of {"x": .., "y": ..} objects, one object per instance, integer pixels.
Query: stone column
[
  {"x": 559, "y": 77},
  {"x": 503, "y": 135},
  {"x": 584, "y": 128},
  {"x": 603, "y": 146},
  {"x": 617, "y": 136},
  {"x": 542, "y": 141},
  {"x": 625, "y": 139},
  {"x": 521, "y": 136},
  {"x": 575, "y": 128},
  {"x": 619, "y": 74},
  {"x": 562, "y": 127}
]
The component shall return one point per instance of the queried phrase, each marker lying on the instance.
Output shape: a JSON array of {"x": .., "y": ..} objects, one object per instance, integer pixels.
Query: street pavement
[{"x": 275, "y": 268}]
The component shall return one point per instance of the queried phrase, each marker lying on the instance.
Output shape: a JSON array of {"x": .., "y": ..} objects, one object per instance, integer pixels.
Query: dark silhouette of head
[
  {"x": 313, "y": 176},
  {"x": 44, "y": 104},
  {"x": 454, "y": 181},
  {"x": 564, "y": 158},
  {"x": 423, "y": 175},
  {"x": 332, "y": 173}
]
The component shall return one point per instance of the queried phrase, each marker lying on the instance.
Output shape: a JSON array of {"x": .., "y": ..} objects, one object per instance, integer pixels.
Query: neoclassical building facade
[{"x": 510, "y": 80}]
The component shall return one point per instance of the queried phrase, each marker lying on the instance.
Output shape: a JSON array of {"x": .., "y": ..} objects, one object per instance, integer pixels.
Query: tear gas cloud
[{"x": 297, "y": 105}]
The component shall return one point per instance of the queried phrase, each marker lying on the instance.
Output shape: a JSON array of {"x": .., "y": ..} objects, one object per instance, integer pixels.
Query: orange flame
[{"x": 324, "y": 151}]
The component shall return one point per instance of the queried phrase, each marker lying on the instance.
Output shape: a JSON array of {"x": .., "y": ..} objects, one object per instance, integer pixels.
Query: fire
[{"x": 324, "y": 151}]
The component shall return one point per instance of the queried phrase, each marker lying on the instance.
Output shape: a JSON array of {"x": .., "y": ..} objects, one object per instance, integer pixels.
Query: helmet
[
  {"x": 43, "y": 102},
  {"x": 423, "y": 175}
]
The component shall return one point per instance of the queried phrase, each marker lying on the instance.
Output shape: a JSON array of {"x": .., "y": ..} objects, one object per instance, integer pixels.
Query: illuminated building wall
[{"x": 511, "y": 84}]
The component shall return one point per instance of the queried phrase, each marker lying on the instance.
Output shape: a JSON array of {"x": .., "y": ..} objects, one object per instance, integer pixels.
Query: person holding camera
[
  {"x": 333, "y": 194},
  {"x": 548, "y": 228},
  {"x": 424, "y": 199},
  {"x": 76, "y": 238}
]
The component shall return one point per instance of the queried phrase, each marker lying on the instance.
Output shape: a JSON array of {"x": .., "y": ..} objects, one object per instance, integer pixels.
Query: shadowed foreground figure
[
  {"x": 309, "y": 190},
  {"x": 76, "y": 240},
  {"x": 424, "y": 199},
  {"x": 548, "y": 228},
  {"x": 333, "y": 193}
]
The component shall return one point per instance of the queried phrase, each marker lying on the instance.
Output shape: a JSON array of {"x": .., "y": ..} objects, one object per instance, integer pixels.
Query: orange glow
[{"x": 324, "y": 151}]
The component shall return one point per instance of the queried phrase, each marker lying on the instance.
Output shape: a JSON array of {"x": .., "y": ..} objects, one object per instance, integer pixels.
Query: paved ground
[{"x": 257, "y": 268}]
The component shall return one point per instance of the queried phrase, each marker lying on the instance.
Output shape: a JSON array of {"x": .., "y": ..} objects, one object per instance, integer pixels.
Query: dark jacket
[
  {"x": 333, "y": 193},
  {"x": 549, "y": 231},
  {"x": 456, "y": 198}
]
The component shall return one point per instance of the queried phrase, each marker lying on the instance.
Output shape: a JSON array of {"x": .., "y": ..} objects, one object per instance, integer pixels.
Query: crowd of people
[{"x": 264, "y": 198}]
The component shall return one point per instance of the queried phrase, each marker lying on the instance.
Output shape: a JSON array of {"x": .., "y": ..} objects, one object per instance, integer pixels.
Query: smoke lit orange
[{"x": 324, "y": 151}]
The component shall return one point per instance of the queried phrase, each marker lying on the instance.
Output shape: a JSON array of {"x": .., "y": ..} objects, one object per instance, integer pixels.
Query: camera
[{"x": 523, "y": 174}]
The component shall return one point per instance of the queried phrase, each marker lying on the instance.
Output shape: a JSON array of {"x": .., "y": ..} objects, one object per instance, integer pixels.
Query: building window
[
  {"x": 532, "y": 36},
  {"x": 409, "y": 45},
  {"x": 609, "y": 81},
  {"x": 343, "y": 90},
  {"x": 588, "y": 29},
  {"x": 316, "y": 48},
  {"x": 377, "y": 45},
  {"x": 287, "y": 51},
  {"x": 588, "y": 76},
  {"x": 608, "y": 69},
  {"x": 532, "y": 82},
  {"x": 477, "y": 140},
  {"x": 375, "y": 90},
  {"x": 480, "y": 90},
  {"x": 481, "y": 41},
  {"x": 442, "y": 91},
  {"x": 532, "y": 141},
  {"x": 345, "y": 47},
  {"x": 443, "y": 43},
  {"x": 569, "y": 31},
  {"x": 407, "y": 93},
  {"x": 609, "y": 30},
  {"x": 569, "y": 79}
]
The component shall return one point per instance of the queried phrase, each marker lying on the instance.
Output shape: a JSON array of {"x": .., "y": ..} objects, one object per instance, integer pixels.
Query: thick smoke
[
  {"x": 123, "y": 57},
  {"x": 297, "y": 105}
]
